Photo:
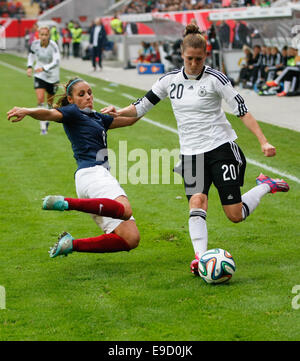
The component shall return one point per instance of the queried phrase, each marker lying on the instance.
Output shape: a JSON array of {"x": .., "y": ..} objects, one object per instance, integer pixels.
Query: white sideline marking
[
  {"x": 13, "y": 67},
  {"x": 173, "y": 130},
  {"x": 273, "y": 170},
  {"x": 249, "y": 160},
  {"x": 128, "y": 96},
  {"x": 108, "y": 90}
]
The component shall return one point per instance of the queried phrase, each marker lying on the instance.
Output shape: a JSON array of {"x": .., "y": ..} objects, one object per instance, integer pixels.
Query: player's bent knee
[
  {"x": 133, "y": 240},
  {"x": 127, "y": 212},
  {"x": 198, "y": 200},
  {"x": 234, "y": 212},
  {"x": 235, "y": 218}
]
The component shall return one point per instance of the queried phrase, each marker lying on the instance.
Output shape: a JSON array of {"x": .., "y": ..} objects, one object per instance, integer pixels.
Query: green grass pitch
[{"x": 148, "y": 293}]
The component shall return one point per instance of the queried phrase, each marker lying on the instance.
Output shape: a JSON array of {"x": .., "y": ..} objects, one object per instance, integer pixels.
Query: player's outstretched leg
[
  {"x": 106, "y": 243},
  {"x": 265, "y": 185},
  {"x": 250, "y": 200},
  {"x": 100, "y": 206}
]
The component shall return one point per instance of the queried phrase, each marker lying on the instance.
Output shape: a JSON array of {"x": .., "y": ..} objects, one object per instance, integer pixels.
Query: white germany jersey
[
  {"x": 47, "y": 58},
  {"x": 201, "y": 121}
]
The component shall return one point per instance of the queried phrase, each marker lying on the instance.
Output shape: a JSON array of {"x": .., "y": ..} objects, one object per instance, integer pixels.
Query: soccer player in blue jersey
[
  {"x": 99, "y": 192},
  {"x": 209, "y": 153}
]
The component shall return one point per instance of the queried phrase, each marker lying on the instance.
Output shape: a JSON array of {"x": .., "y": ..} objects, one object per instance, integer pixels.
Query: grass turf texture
[{"x": 148, "y": 293}]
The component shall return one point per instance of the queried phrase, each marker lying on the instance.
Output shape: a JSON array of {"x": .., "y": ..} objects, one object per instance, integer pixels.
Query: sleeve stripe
[
  {"x": 217, "y": 72},
  {"x": 223, "y": 79},
  {"x": 138, "y": 101},
  {"x": 171, "y": 72},
  {"x": 241, "y": 105}
]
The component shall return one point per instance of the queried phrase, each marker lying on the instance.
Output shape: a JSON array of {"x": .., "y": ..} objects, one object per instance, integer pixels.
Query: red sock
[
  {"x": 109, "y": 242},
  {"x": 100, "y": 206}
]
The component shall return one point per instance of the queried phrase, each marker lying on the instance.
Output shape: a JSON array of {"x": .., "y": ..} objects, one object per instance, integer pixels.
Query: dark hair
[
  {"x": 63, "y": 100},
  {"x": 192, "y": 38}
]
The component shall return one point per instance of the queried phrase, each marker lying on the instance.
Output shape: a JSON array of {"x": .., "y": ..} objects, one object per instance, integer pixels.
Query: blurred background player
[{"x": 43, "y": 62}]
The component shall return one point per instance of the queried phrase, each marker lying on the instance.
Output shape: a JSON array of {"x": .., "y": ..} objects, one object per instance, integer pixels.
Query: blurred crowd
[
  {"x": 45, "y": 4},
  {"x": 146, "y": 6},
  {"x": 270, "y": 71},
  {"x": 12, "y": 9}
]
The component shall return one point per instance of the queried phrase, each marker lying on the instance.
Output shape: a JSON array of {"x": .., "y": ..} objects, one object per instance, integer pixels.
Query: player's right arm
[
  {"x": 30, "y": 61},
  {"x": 142, "y": 105},
  {"x": 16, "y": 114}
]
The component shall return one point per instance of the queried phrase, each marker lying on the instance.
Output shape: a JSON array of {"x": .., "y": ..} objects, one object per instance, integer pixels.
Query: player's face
[
  {"x": 44, "y": 36},
  {"x": 194, "y": 59},
  {"x": 82, "y": 96}
]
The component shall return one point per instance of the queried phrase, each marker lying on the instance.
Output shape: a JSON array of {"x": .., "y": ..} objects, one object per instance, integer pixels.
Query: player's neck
[
  {"x": 44, "y": 45},
  {"x": 192, "y": 76}
]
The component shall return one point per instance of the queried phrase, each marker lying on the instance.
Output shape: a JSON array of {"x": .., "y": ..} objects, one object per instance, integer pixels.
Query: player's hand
[
  {"x": 29, "y": 72},
  {"x": 38, "y": 70},
  {"x": 268, "y": 149},
  {"x": 110, "y": 110},
  {"x": 17, "y": 113}
]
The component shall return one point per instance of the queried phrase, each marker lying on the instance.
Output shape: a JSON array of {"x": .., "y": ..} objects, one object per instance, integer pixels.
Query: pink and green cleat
[{"x": 276, "y": 185}]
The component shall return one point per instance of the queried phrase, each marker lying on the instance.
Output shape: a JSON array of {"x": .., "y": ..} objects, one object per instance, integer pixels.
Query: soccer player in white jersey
[
  {"x": 43, "y": 61},
  {"x": 208, "y": 150}
]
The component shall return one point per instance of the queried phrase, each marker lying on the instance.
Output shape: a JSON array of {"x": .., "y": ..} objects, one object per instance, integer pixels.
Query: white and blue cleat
[
  {"x": 63, "y": 247},
  {"x": 55, "y": 203}
]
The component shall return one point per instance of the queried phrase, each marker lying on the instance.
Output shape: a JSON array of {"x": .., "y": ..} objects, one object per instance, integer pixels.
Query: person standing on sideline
[
  {"x": 98, "y": 40},
  {"x": 209, "y": 153},
  {"x": 116, "y": 25},
  {"x": 99, "y": 192},
  {"x": 66, "y": 41},
  {"x": 76, "y": 32},
  {"x": 54, "y": 34},
  {"x": 43, "y": 62}
]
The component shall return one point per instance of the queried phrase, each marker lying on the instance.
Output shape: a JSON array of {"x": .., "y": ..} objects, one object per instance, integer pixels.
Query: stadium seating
[{"x": 12, "y": 9}]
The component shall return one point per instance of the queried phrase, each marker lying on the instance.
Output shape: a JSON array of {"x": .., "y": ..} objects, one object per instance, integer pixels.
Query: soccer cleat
[
  {"x": 194, "y": 265},
  {"x": 276, "y": 185},
  {"x": 55, "y": 203},
  {"x": 281, "y": 94},
  {"x": 63, "y": 247},
  {"x": 271, "y": 83},
  {"x": 43, "y": 132},
  {"x": 268, "y": 91}
]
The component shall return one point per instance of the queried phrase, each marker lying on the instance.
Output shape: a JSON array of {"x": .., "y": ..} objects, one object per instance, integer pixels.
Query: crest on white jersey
[{"x": 202, "y": 91}]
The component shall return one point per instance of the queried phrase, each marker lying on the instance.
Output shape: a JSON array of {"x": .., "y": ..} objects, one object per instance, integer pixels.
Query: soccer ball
[{"x": 216, "y": 266}]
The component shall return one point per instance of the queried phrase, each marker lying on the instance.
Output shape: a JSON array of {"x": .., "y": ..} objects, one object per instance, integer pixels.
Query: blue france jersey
[{"x": 86, "y": 131}]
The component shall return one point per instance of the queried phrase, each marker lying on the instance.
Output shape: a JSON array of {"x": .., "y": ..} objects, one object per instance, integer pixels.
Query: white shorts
[{"x": 97, "y": 182}]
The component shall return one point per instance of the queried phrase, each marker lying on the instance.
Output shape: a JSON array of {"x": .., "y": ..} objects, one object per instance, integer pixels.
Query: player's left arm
[
  {"x": 250, "y": 122},
  {"x": 239, "y": 108}
]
